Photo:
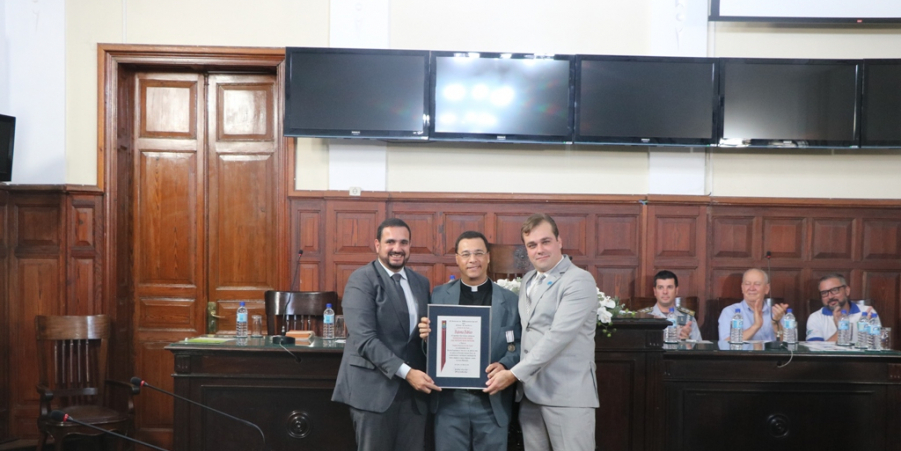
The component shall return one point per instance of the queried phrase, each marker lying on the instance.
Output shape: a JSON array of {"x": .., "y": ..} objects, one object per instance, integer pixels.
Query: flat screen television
[
  {"x": 356, "y": 93},
  {"x": 789, "y": 103},
  {"x": 806, "y": 11},
  {"x": 645, "y": 100},
  {"x": 881, "y": 104},
  {"x": 7, "y": 143},
  {"x": 499, "y": 97}
]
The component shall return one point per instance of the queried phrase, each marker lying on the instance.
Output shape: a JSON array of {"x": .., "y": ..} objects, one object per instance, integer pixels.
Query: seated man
[
  {"x": 822, "y": 325},
  {"x": 760, "y": 323},
  {"x": 666, "y": 288}
]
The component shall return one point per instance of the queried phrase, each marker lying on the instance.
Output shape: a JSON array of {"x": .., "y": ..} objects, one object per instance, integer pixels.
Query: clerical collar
[{"x": 475, "y": 288}]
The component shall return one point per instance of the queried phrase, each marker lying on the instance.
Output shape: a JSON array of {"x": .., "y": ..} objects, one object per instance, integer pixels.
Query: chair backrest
[
  {"x": 72, "y": 353},
  {"x": 713, "y": 308},
  {"x": 298, "y": 310},
  {"x": 508, "y": 261}
]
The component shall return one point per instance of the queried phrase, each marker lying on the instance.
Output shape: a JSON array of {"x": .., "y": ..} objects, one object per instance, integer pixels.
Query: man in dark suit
[
  {"x": 472, "y": 419},
  {"x": 382, "y": 374}
]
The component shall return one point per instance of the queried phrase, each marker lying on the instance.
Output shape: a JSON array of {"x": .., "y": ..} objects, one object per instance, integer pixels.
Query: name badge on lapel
[{"x": 510, "y": 346}]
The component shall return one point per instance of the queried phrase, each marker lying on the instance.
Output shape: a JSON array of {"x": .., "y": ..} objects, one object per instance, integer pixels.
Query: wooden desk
[
  {"x": 652, "y": 399},
  {"x": 776, "y": 400}
]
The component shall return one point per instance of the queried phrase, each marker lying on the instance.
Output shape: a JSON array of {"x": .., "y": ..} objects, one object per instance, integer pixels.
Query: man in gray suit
[
  {"x": 470, "y": 419},
  {"x": 382, "y": 374},
  {"x": 558, "y": 304}
]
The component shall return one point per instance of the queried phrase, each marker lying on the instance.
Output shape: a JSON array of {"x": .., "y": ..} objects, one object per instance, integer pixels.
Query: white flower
[
  {"x": 608, "y": 303},
  {"x": 512, "y": 285},
  {"x": 604, "y": 316}
]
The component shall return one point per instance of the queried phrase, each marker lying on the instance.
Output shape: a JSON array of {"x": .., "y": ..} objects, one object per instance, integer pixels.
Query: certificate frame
[{"x": 465, "y": 316}]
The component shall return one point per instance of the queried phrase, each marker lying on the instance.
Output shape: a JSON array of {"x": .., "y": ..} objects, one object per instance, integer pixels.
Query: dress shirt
[
  {"x": 765, "y": 333},
  {"x": 411, "y": 308}
]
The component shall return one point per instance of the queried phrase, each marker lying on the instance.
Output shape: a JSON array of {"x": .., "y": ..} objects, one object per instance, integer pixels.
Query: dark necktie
[{"x": 399, "y": 287}]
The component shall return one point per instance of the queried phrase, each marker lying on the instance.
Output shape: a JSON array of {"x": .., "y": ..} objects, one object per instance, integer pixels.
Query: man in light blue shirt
[{"x": 760, "y": 322}]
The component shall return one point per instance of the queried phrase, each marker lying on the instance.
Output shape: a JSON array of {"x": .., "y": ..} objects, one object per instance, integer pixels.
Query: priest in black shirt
[{"x": 472, "y": 419}]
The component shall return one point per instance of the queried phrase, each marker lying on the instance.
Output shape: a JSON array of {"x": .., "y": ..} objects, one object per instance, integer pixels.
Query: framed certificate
[{"x": 459, "y": 345}]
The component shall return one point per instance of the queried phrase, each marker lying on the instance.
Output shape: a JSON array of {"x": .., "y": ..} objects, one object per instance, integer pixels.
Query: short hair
[
  {"x": 766, "y": 277},
  {"x": 834, "y": 275},
  {"x": 392, "y": 222},
  {"x": 665, "y": 275},
  {"x": 471, "y": 235},
  {"x": 536, "y": 220}
]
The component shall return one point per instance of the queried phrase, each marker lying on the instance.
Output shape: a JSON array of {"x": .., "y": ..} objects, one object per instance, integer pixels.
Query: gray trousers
[
  {"x": 547, "y": 428},
  {"x": 401, "y": 427},
  {"x": 465, "y": 421}
]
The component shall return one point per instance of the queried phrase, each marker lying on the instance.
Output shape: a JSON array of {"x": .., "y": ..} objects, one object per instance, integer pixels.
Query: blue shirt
[{"x": 765, "y": 333}]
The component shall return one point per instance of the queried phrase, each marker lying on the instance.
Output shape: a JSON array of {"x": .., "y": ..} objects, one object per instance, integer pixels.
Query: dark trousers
[{"x": 401, "y": 427}]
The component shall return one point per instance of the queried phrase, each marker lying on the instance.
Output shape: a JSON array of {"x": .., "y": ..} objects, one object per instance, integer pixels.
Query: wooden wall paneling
[
  {"x": 881, "y": 240},
  {"x": 243, "y": 207},
  {"x": 169, "y": 240},
  {"x": 352, "y": 225},
  {"x": 732, "y": 236},
  {"x": 155, "y": 365},
  {"x": 508, "y": 227},
  {"x": 456, "y": 223},
  {"x": 5, "y": 336},
  {"x": 83, "y": 254},
  {"x": 832, "y": 238},
  {"x": 883, "y": 289},
  {"x": 678, "y": 234},
  {"x": 36, "y": 287},
  {"x": 308, "y": 233},
  {"x": 784, "y": 238}
]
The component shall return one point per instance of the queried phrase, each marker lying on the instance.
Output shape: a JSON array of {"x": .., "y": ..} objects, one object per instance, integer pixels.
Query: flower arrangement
[
  {"x": 608, "y": 307},
  {"x": 512, "y": 285}
]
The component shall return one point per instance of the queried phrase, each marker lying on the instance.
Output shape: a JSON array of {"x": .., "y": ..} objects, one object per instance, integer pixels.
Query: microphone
[
  {"x": 137, "y": 381},
  {"x": 62, "y": 417},
  {"x": 294, "y": 285}
]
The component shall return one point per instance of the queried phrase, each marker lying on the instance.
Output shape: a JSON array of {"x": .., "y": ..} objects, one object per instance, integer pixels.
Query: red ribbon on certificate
[{"x": 443, "y": 343}]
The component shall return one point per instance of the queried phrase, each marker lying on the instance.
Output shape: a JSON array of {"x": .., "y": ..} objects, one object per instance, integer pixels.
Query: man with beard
[
  {"x": 382, "y": 373},
  {"x": 822, "y": 325},
  {"x": 471, "y": 419}
]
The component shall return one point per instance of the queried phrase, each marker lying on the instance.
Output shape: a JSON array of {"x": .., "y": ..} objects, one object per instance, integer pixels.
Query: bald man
[{"x": 760, "y": 322}]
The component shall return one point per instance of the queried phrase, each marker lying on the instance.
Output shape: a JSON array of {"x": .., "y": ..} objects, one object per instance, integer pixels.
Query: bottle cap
[
  {"x": 671, "y": 309},
  {"x": 453, "y": 277},
  {"x": 242, "y": 303},
  {"x": 789, "y": 310},
  {"x": 874, "y": 315},
  {"x": 738, "y": 310},
  {"x": 844, "y": 312},
  {"x": 328, "y": 305}
]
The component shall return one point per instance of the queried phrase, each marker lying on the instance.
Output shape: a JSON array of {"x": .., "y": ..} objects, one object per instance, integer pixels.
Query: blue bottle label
[
  {"x": 736, "y": 324},
  {"x": 242, "y": 317},
  {"x": 788, "y": 323},
  {"x": 328, "y": 319},
  {"x": 843, "y": 325}
]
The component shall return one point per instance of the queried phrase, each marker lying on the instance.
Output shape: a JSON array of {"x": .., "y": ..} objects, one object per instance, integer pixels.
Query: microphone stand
[
  {"x": 141, "y": 383},
  {"x": 62, "y": 417}
]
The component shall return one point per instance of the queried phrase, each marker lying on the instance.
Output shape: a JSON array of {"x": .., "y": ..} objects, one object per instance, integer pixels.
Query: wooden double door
[{"x": 200, "y": 160}]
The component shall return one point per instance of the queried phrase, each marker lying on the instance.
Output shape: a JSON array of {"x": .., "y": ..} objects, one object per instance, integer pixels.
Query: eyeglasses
[
  {"x": 835, "y": 290},
  {"x": 477, "y": 254}
]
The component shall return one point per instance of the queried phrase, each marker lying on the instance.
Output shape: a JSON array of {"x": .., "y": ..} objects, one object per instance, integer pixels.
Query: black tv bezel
[
  {"x": 647, "y": 140},
  {"x": 864, "y": 142},
  {"x": 715, "y": 16},
  {"x": 492, "y": 137},
  {"x": 6, "y": 169},
  {"x": 788, "y": 142},
  {"x": 418, "y": 135}
]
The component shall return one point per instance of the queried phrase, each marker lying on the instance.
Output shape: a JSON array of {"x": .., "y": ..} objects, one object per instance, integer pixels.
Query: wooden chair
[
  {"x": 72, "y": 358},
  {"x": 298, "y": 310},
  {"x": 508, "y": 261}
]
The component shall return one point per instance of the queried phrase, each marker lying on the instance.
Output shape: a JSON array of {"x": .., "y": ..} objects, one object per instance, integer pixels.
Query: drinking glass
[
  {"x": 256, "y": 326},
  {"x": 885, "y": 338},
  {"x": 340, "y": 328}
]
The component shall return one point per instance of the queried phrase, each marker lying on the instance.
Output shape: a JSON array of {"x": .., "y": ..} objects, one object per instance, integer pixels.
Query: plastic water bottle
[
  {"x": 678, "y": 301},
  {"x": 875, "y": 332},
  {"x": 844, "y": 329},
  {"x": 671, "y": 333},
  {"x": 328, "y": 323},
  {"x": 737, "y": 330},
  {"x": 789, "y": 327},
  {"x": 241, "y": 322},
  {"x": 863, "y": 332}
]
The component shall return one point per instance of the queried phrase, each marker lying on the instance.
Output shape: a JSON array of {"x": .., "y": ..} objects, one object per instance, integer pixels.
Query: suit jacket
[
  {"x": 379, "y": 339},
  {"x": 557, "y": 362},
  {"x": 504, "y": 317}
]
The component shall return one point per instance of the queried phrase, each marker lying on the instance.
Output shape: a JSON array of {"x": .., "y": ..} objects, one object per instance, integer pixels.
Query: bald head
[{"x": 755, "y": 286}]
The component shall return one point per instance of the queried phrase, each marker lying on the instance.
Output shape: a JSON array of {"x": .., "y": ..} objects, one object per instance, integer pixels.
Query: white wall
[
  {"x": 565, "y": 26},
  {"x": 33, "y": 86}
]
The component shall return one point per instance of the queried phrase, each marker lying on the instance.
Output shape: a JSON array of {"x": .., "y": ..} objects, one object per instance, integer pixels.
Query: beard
[{"x": 393, "y": 267}]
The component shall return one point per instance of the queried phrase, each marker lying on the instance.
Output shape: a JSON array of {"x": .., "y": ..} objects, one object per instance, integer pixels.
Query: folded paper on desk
[{"x": 301, "y": 336}]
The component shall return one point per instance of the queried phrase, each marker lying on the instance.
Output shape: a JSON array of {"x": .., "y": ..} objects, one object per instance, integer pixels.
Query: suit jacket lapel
[
  {"x": 395, "y": 296},
  {"x": 498, "y": 312}
]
